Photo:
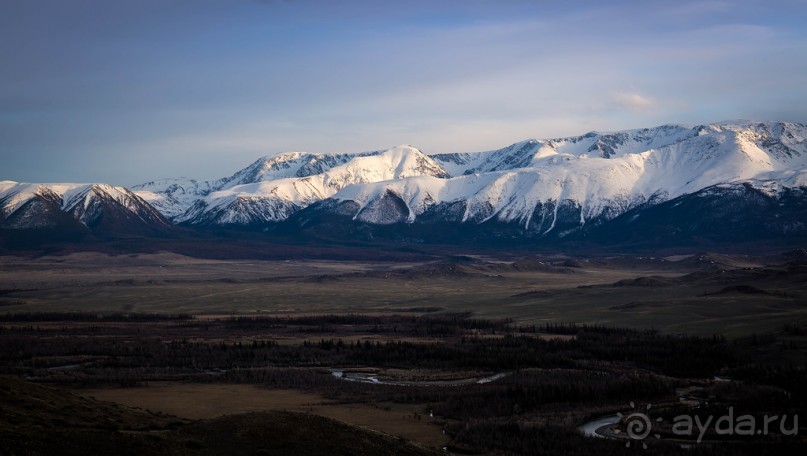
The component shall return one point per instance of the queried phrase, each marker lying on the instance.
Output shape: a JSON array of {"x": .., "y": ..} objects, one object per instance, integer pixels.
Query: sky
[{"x": 127, "y": 91}]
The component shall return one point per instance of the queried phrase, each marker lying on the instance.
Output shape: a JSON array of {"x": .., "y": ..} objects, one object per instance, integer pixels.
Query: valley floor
[
  {"x": 459, "y": 352},
  {"x": 694, "y": 294}
]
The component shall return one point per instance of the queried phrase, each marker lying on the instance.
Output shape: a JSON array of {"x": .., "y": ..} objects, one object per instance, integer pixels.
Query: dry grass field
[
  {"x": 205, "y": 401},
  {"x": 733, "y": 295}
]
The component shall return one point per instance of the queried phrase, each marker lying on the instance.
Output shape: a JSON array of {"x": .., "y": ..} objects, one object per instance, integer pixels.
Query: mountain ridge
[{"x": 549, "y": 188}]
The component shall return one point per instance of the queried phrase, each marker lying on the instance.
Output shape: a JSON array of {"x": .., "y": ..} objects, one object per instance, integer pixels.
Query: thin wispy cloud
[
  {"x": 631, "y": 101},
  {"x": 689, "y": 9}
]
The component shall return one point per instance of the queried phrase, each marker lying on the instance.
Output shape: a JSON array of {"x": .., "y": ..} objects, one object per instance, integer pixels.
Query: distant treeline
[
  {"x": 86, "y": 316},
  {"x": 428, "y": 325},
  {"x": 200, "y": 345}
]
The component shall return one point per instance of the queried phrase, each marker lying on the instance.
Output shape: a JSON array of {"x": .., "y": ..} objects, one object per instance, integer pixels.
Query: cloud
[
  {"x": 631, "y": 101},
  {"x": 696, "y": 8}
]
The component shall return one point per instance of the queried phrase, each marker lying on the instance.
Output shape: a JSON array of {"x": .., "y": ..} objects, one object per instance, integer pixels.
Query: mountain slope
[
  {"x": 737, "y": 212},
  {"x": 751, "y": 212}
]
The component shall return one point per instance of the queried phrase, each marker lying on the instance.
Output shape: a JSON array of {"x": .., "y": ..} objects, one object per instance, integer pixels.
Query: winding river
[
  {"x": 373, "y": 379},
  {"x": 599, "y": 427}
]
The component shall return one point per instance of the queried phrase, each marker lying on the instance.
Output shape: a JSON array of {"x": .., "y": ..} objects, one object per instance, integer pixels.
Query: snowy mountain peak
[
  {"x": 287, "y": 165},
  {"x": 273, "y": 188},
  {"x": 94, "y": 206}
]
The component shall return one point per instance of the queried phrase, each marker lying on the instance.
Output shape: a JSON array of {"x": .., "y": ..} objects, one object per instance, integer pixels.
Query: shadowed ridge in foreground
[{"x": 42, "y": 420}]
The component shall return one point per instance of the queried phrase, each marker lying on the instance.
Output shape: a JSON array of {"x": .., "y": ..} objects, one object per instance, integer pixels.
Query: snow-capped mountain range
[{"x": 549, "y": 187}]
